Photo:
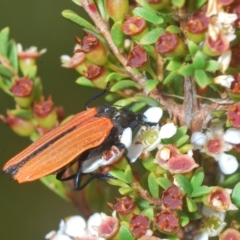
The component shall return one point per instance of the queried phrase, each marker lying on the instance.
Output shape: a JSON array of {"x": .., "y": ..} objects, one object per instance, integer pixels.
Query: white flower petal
[
  {"x": 201, "y": 236},
  {"x": 126, "y": 137},
  {"x": 75, "y": 226},
  {"x": 94, "y": 221},
  {"x": 224, "y": 80},
  {"x": 153, "y": 114},
  {"x": 168, "y": 130},
  {"x": 134, "y": 151},
  {"x": 227, "y": 163},
  {"x": 226, "y": 18},
  {"x": 209, "y": 212},
  {"x": 232, "y": 135},
  {"x": 92, "y": 164},
  {"x": 225, "y": 60},
  {"x": 198, "y": 139}
]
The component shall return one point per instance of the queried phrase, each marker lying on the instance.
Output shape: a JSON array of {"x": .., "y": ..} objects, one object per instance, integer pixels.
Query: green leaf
[
  {"x": 184, "y": 183},
  {"x": 170, "y": 77},
  {"x": 116, "y": 182},
  {"x": 147, "y": 15},
  {"x": 178, "y": 3},
  {"x": 149, "y": 164},
  {"x": 5, "y": 72},
  {"x": 233, "y": 179},
  {"x": 124, "y": 84},
  {"x": 152, "y": 36},
  {"x": 22, "y": 113},
  {"x": 125, "y": 190},
  {"x": 164, "y": 182},
  {"x": 177, "y": 136},
  {"x": 192, "y": 47},
  {"x": 31, "y": 72},
  {"x": 192, "y": 206},
  {"x": 173, "y": 65},
  {"x": 199, "y": 61},
  {"x": 202, "y": 78},
  {"x": 197, "y": 178},
  {"x": 184, "y": 219},
  {"x": 149, "y": 101},
  {"x": 4, "y": 35},
  {"x": 153, "y": 185},
  {"x": 212, "y": 66},
  {"x": 116, "y": 76},
  {"x": 235, "y": 195},
  {"x": 13, "y": 57},
  {"x": 77, "y": 2},
  {"x": 173, "y": 29},
  {"x": 84, "y": 82},
  {"x": 74, "y": 17},
  {"x": 119, "y": 174},
  {"x": 151, "y": 84},
  {"x": 148, "y": 213},
  {"x": 145, "y": 4},
  {"x": 123, "y": 102},
  {"x": 124, "y": 233},
  {"x": 128, "y": 174},
  {"x": 117, "y": 34},
  {"x": 138, "y": 106},
  {"x": 200, "y": 3},
  {"x": 182, "y": 140},
  {"x": 202, "y": 190},
  {"x": 5, "y": 84},
  {"x": 187, "y": 70}
]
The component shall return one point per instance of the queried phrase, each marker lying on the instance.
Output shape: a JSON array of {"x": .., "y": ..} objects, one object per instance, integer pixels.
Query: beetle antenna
[{"x": 96, "y": 96}]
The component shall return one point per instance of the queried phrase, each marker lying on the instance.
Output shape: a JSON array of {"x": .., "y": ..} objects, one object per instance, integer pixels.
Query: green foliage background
[{"x": 29, "y": 211}]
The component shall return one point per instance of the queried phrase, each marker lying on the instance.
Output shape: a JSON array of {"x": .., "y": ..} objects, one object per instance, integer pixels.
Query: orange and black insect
[{"x": 87, "y": 134}]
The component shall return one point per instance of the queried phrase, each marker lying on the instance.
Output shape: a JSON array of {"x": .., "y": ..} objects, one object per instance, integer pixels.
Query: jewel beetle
[{"x": 87, "y": 135}]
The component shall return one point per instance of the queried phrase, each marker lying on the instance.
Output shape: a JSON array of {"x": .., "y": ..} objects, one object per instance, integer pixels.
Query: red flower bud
[
  {"x": 230, "y": 233},
  {"x": 97, "y": 76},
  {"x": 167, "y": 222},
  {"x": 108, "y": 228},
  {"x": 22, "y": 90},
  {"x": 170, "y": 45},
  {"x": 139, "y": 225},
  {"x": 135, "y": 27},
  {"x": 21, "y": 126},
  {"x": 138, "y": 57},
  {"x": 172, "y": 198},
  {"x": 93, "y": 48},
  {"x": 45, "y": 113},
  {"x": 197, "y": 25}
]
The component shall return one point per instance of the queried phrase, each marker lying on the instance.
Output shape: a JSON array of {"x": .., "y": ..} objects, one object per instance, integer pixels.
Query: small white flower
[
  {"x": 76, "y": 227},
  {"x": 167, "y": 130},
  {"x": 224, "y": 80},
  {"x": 215, "y": 143}
]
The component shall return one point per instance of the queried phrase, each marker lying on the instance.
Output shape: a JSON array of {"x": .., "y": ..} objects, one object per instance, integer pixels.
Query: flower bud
[
  {"x": 94, "y": 49},
  {"x": 230, "y": 233},
  {"x": 117, "y": 9},
  {"x": 28, "y": 57},
  {"x": 45, "y": 113},
  {"x": 135, "y": 27},
  {"x": 170, "y": 45},
  {"x": 197, "y": 26},
  {"x": 216, "y": 47},
  {"x": 137, "y": 57},
  {"x": 125, "y": 207},
  {"x": 22, "y": 127},
  {"x": 22, "y": 91},
  {"x": 172, "y": 198},
  {"x": 167, "y": 222},
  {"x": 139, "y": 225},
  {"x": 97, "y": 75},
  {"x": 78, "y": 61}
]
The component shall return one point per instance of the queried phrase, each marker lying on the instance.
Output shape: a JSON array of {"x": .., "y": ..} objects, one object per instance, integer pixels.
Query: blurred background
[{"x": 29, "y": 211}]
